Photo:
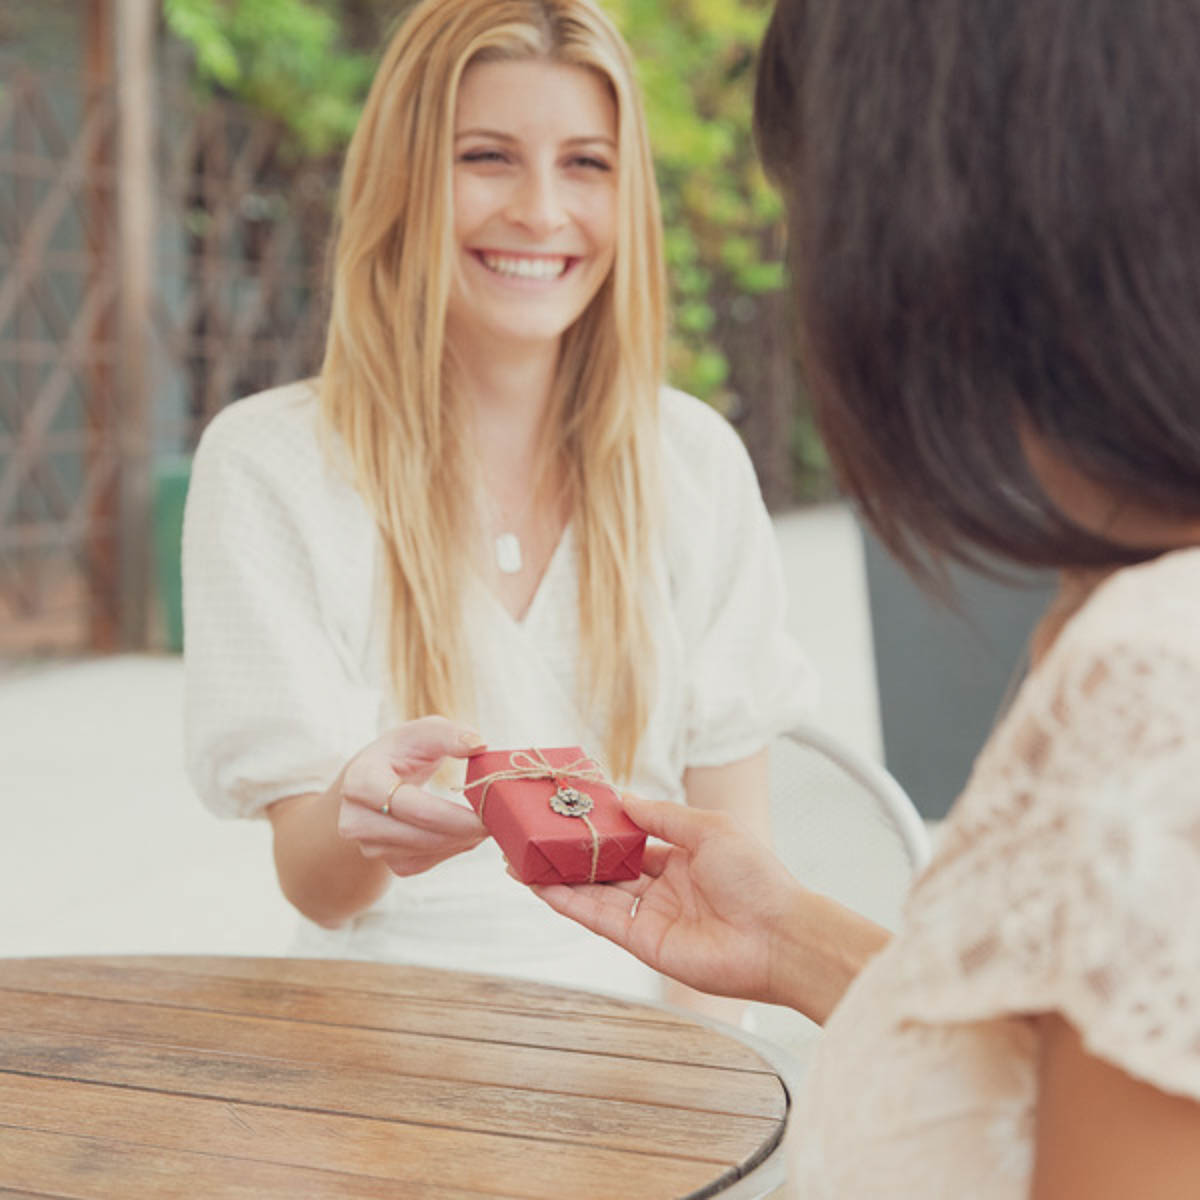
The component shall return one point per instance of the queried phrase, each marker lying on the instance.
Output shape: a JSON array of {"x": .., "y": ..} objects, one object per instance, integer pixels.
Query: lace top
[{"x": 1067, "y": 879}]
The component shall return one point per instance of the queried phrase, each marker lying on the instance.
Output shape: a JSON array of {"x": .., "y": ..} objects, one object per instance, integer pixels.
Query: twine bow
[{"x": 532, "y": 764}]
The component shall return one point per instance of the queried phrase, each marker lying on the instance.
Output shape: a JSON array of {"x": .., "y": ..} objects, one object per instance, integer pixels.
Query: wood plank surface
[
  {"x": 83, "y": 1168},
  {"x": 567, "y": 1073},
  {"x": 468, "y": 1013},
  {"x": 427, "y": 1155},
  {"x": 258, "y": 1077},
  {"x": 416, "y": 983},
  {"x": 382, "y": 1095}
]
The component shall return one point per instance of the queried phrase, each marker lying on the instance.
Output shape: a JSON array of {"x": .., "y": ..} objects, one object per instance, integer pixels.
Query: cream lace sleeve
[{"x": 1069, "y": 879}]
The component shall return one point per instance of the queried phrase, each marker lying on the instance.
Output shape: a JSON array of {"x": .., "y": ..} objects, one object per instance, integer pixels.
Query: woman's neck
[
  {"x": 521, "y": 501},
  {"x": 1074, "y": 588},
  {"x": 508, "y": 394}
]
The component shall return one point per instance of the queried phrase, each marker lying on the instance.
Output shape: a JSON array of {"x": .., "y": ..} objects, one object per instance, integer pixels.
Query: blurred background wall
[{"x": 167, "y": 178}]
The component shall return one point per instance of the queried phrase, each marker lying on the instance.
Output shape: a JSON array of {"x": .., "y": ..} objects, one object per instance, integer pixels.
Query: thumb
[
  {"x": 424, "y": 742},
  {"x": 668, "y": 821}
]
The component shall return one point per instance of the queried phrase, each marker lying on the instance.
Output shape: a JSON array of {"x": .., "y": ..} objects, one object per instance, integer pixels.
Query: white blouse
[
  {"x": 1067, "y": 879},
  {"x": 287, "y": 678}
]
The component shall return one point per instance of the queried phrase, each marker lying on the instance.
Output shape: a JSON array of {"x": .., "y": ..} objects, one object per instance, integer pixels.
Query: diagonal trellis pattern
[
  {"x": 249, "y": 235},
  {"x": 58, "y": 294},
  {"x": 238, "y": 249}
]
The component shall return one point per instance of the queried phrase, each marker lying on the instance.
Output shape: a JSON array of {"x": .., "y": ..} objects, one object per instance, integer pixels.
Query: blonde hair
[{"x": 385, "y": 388}]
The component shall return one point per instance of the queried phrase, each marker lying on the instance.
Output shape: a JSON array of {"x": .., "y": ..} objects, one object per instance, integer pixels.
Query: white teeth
[{"x": 525, "y": 268}]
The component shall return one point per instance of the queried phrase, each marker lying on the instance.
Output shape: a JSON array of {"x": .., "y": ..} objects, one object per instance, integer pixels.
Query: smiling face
[{"x": 535, "y": 202}]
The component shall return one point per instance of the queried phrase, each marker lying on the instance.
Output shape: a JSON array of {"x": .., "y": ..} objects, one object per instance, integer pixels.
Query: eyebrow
[{"x": 501, "y": 136}]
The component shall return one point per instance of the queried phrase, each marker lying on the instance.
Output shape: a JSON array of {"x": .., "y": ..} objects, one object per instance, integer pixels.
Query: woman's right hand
[{"x": 384, "y": 808}]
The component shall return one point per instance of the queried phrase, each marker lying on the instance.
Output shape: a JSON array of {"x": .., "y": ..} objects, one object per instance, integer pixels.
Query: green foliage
[
  {"x": 696, "y": 63},
  {"x": 308, "y": 62},
  {"x": 283, "y": 57},
  {"x": 291, "y": 58}
]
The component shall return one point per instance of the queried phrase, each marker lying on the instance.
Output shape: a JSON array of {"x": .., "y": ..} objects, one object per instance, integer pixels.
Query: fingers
[
  {"x": 423, "y": 810},
  {"x": 604, "y": 908},
  {"x": 411, "y": 811},
  {"x": 654, "y": 860},
  {"x": 388, "y": 814},
  {"x": 381, "y": 776},
  {"x": 409, "y": 849}
]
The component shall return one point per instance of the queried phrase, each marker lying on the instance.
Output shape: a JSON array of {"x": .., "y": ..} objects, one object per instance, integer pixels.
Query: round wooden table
[{"x": 215, "y": 1077}]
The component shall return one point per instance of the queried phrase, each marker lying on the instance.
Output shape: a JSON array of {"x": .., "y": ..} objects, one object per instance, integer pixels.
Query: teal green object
[{"x": 171, "y": 476}]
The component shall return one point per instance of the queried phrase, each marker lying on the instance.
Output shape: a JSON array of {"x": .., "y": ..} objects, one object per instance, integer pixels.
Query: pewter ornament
[
  {"x": 508, "y": 553},
  {"x": 569, "y": 802}
]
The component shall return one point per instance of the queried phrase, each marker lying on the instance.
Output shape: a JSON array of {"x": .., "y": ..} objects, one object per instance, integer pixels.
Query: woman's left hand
[
  {"x": 716, "y": 910},
  {"x": 705, "y": 908}
]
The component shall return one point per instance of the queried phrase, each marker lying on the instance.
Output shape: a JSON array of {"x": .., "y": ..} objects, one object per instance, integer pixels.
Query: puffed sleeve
[
  {"x": 1071, "y": 882},
  {"x": 274, "y": 705},
  {"x": 747, "y": 678}
]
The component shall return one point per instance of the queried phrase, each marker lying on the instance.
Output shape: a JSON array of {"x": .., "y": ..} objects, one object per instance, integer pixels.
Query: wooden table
[{"x": 213, "y": 1077}]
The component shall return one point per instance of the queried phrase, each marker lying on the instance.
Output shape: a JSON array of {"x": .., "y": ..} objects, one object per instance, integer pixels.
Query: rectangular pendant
[{"x": 508, "y": 553}]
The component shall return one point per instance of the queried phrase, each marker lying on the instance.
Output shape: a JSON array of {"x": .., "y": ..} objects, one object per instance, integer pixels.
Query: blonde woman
[{"x": 487, "y": 508}]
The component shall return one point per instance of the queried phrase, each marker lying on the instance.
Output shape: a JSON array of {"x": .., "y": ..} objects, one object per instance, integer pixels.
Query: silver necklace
[
  {"x": 506, "y": 545},
  {"x": 509, "y": 559}
]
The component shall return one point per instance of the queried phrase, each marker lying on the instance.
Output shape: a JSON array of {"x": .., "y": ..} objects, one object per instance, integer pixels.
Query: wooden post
[
  {"x": 103, "y": 567},
  {"x": 136, "y": 104}
]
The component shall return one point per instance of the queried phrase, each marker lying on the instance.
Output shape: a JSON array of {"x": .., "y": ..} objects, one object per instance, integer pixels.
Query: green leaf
[
  {"x": 697, "y": 317},
  {"x": 760, "y": 277}
]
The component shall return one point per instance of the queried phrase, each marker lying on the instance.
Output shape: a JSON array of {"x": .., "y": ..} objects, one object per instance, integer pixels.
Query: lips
[{"x": 543, "y": 267}]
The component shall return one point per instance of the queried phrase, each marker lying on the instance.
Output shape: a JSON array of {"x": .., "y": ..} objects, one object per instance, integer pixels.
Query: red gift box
[{"x": 555, "y": 816}]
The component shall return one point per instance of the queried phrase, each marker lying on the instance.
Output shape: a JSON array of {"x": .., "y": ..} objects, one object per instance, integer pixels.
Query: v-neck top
[
  {"x": 287, "y": 674},
  {"x": 563, "y": 549}
]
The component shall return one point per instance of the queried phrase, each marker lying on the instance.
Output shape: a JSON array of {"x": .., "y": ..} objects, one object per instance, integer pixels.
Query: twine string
[
  {"x": 526, "y": 764},
  {"x": 595, "y": 846}
]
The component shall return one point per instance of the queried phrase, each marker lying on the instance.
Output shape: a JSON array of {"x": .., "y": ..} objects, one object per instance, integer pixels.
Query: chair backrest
[{"x": 845, "y": 827}]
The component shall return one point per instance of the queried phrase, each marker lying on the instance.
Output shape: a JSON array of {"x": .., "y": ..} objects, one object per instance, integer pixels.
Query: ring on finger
[
  {"x": 386, "y": 807},
  {"x": 634, "y": 907}
]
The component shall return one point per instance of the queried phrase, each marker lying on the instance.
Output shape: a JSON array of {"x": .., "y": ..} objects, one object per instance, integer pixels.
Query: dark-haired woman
[{"x": 995, "y": 228}]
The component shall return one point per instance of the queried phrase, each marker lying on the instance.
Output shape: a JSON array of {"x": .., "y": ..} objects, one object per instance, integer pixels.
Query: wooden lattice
[
  {"x": 58, "y": 294},
  {"x": 243, "y": 234},
  {"x": 236, "y": 305}
]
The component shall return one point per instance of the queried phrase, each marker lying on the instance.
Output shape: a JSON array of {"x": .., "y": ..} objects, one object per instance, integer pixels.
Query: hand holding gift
[
  {"x": 385, "y": 808},
  {"x": 709, "y": 908},
  {"x": 555, "y": 816}
]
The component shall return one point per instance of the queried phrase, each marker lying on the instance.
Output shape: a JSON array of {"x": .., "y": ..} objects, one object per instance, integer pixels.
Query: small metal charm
[
  {"x": 569, "y": 802},
  {"x": 508, "y": 554}
]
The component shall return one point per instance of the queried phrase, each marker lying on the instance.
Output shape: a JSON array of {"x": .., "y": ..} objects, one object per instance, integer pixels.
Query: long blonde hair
[{"x": 384, "y": 383}]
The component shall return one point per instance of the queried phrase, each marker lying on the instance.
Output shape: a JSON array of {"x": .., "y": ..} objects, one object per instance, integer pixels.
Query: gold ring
[{"x": 386, "y": 807}]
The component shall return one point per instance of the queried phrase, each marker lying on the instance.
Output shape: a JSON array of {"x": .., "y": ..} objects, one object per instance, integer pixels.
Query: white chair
[{"x": 845, "y": 827}]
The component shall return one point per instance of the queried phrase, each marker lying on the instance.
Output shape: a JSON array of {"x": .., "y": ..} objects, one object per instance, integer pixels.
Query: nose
[{"x": 537, "y": 202}]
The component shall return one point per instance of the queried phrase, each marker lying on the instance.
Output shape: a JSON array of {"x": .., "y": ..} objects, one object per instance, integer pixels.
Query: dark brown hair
[{"x": 994, "y": 223}]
